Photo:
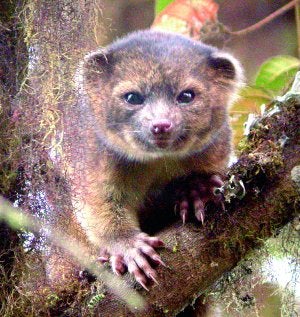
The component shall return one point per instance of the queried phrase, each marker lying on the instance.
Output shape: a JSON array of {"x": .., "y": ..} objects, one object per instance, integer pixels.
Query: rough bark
[{"x": 198, "y": 256}]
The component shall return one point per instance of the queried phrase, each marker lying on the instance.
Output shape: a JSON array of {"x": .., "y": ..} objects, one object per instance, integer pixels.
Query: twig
[
  {"x": 266, "y": 20},
  {"x": 17, "y": 220}
]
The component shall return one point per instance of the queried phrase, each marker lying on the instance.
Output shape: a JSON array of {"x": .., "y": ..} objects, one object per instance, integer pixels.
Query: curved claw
[
  {"x": 199, "y": 210},
  {"x": 103, "y": 259},
  {"x": 183, "y": 217},
  {"x": 143, "y": 285},
  {"x": 153, "y": 279},
  {"x": 159, "y": 260},
  {"x": 184, "y": 209},
  {"x": 200, "y": 215},
  {"x": 195, "y": 195},
  {"x": 176, "y": 208}
]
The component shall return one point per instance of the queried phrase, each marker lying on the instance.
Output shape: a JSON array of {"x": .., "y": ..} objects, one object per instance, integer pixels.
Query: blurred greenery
[
  {"x": 160, "y": 5},
  {"x": 277, "y": 72},
  {"x": 273, "y": 77},
  {"x": 19, "y": 220}
]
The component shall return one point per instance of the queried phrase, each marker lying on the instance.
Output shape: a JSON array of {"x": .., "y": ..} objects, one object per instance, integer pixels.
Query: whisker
[
  {"x": 131, "y": 131},
  {"x": 128, "y": 131}
]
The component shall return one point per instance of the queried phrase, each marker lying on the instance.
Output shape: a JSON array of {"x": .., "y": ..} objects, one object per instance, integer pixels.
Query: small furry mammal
[{"x": 152, "y": 109}]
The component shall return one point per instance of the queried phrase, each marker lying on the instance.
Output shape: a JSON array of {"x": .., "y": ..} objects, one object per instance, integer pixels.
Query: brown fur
[{"x": 115, "y": 172}]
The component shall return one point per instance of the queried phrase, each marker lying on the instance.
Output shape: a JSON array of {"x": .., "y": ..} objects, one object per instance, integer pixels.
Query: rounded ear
[
  {"x": 96, "y": 58},
  {"x": 226, "y": 66},
  {"x": 97, "y": 63},
  {"x": 95, "y": 66}
]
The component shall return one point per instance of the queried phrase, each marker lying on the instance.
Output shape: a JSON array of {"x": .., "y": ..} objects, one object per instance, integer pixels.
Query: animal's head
[{"x": 155, "y": 94}]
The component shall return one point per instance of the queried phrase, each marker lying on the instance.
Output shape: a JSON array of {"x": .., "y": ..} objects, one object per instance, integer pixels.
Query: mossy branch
[{"x": 198, "y": 256}]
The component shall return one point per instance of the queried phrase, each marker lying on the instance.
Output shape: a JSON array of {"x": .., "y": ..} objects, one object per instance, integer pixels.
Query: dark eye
[
  {"x": 134, "y": 98},
  {"x": 185, "y": 97}
]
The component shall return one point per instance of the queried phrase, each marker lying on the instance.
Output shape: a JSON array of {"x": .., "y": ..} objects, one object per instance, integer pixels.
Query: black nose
[{"x": 161, "y": 126}]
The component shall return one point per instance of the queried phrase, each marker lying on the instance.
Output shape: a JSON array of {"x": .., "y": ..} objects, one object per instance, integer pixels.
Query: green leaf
[
  {"x": 160, "y": 5},
  {"x": 251, "y": 98},
  {"x": 258, "y": 95},
  {"x": 277, "y": 72}
]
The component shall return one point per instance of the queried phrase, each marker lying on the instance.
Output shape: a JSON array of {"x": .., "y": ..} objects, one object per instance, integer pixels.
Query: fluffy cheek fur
[{"x": 129, "y": 130}]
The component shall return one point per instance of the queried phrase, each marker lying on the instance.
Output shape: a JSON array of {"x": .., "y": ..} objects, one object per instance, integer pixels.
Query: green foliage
[
  {"x": 274, "y": 75},
  {"x": 258, "y": 94},
  {"x": 277, "y": 72},
  {"x": 160, "y": 5},
  {"x": 251, "y": 98}
]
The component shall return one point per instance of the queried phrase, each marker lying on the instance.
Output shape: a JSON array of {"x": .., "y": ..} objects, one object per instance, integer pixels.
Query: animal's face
[{"x": 155, "y": 94}]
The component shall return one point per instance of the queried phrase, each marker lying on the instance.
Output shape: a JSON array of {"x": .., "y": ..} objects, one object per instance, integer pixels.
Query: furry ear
[
  {"x": 97, "y": 64},
  {"x": 226, "y": 66}
]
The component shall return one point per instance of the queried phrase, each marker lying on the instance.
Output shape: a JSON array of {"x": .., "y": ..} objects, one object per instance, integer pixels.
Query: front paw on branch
[
  {"x": 193, "y": 194},
  {"x": 136, "y": 255}
]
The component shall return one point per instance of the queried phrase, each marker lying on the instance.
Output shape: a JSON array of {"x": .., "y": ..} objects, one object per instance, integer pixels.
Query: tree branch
[
  {"x": 203, "y": 254},
  {"x": 266, "y": 20}
]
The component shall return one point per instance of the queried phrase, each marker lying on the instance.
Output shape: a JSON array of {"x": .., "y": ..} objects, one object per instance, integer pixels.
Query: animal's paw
[
  {"x": 135, "y": 254},
  {"x": 192, "y": 196}
]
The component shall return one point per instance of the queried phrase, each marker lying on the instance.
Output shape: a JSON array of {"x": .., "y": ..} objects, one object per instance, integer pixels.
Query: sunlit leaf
[
  {"x": 258, "y": 94},
  {"x": 186, "y": 17},
  {"x": 250, "y": 101},
  {"x": 277, "y": 72}
]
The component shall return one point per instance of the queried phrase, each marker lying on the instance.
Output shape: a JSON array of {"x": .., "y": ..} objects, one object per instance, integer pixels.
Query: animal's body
[{"x": 152, "y": 109}]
